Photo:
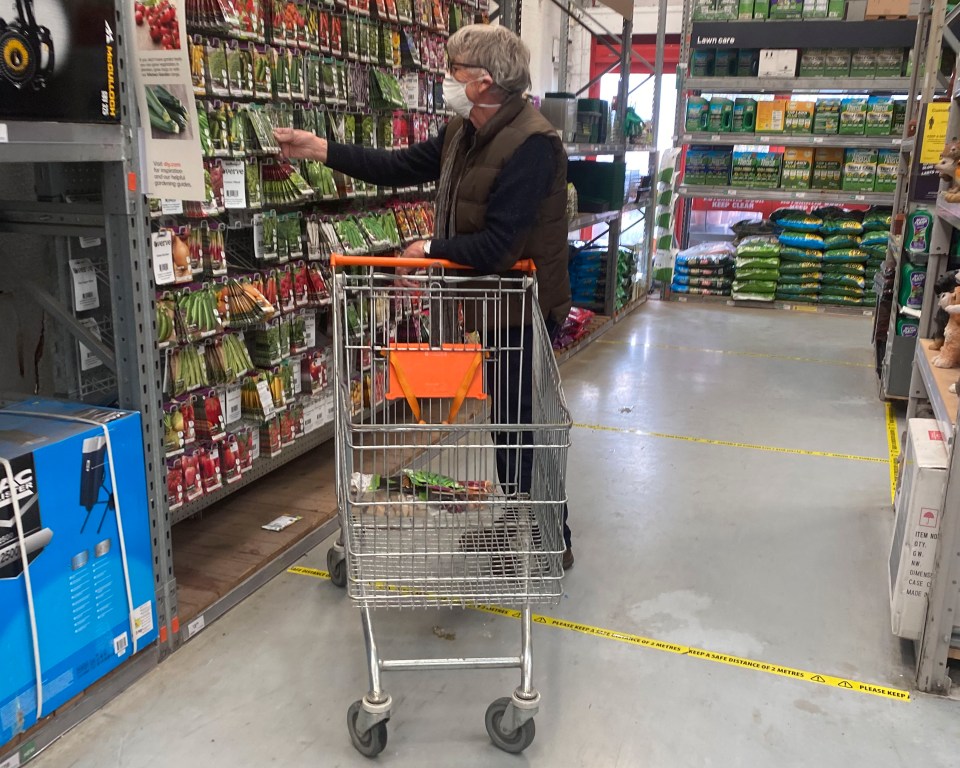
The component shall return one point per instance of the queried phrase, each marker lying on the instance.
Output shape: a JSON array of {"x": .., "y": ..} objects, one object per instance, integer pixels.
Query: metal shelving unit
[
  {"x": 929, "y": 386},
  {"x": 574, "y": 12},
  {"x": 87, "y": 177},
  {"x": 799, "y": 195},
  {"x": 797, "y": 140},
  {"x": 797, "y": 84}
]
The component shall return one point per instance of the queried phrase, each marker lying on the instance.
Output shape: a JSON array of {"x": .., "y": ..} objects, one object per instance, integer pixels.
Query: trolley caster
[
  {"x": 337, "y": 566},
  {"x": 369, "y": 742},
  {"x": 516, "y": 740}
]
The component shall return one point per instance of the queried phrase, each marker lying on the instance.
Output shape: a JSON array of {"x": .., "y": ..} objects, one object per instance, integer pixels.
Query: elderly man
[{"x": 501, "y": 197}]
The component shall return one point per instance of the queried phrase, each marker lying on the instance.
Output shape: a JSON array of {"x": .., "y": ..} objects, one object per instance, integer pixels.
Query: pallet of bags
[
  {"x": 801, "y": 255},
  {"x": 757, "y": 268},
  {"x": 705, "y": 269}
]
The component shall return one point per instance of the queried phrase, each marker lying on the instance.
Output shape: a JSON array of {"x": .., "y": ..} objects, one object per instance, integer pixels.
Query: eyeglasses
[{"x": 453, "y": 66}]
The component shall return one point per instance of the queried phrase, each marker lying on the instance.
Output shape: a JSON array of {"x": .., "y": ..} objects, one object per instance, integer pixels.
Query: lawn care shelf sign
[{"x": 171, "y": 151}]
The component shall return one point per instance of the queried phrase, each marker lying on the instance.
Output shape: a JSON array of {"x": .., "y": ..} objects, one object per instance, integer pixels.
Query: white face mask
[{"x": 455, "y": 96}]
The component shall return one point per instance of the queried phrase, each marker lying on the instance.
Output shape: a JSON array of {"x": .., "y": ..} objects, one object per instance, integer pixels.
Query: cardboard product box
[
  {"x": 899, "y": 117},
  {"x": 778, "y": 62},
  {"x": 887, "y": 8},
  {"x": 815, "y": 9},
  {"x": 799, "y": 116},
  {"x": 863, "y": 62},
  {"x": 827, "y": 168},
  {"x": 916, "y": 531},
  {"x": 746, "y": 9},
  {"x": 888, "y": 164},
  {"x": 703, "y": 62},
  {"x": 836, "y": 63},
  {"x": 726, "y": 61},
  {"x": 797, "y": 168},
  {"x": 718, "y": 167},
  {"x": 761, "y": 9},
  {"x": 836, "y": 9},
  {"x": 859, "y": 170},
  {"x": 67, "y": 70},
  {"x": 716, "y": 10},
  {"x": 756, "y": 170},
  {"x": 890, "y": 62},
  {"x": 743, "y": 170},
  {"x": 853, "y": 117},
  {"x": 856, "y": 10},
  {"x": 69, "y": 503},
  {"x": 771, "y": 116},
  {"x": 786, "y": 9},
  {"x": 826, "y": 118},
  {"x": 748, "y": 62},
  {"x": 813, "y": 62},
  {"x": 879, "y": 118},
  {"x": 695, "y": 167}
]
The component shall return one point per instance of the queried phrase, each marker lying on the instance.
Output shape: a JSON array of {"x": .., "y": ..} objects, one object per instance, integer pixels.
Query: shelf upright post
[
  {"x": 613, "y": 234},
  {"x": 933, "y": 648}
]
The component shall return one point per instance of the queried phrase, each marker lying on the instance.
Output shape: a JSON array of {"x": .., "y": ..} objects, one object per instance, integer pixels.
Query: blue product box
[{"x": 86, "y": 620}]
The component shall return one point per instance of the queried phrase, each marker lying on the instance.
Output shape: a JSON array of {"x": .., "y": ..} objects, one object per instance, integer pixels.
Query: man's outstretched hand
[{"x": 298, "y": 145}]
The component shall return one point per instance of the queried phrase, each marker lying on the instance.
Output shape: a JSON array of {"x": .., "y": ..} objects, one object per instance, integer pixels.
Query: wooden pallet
[{"x": 892, "y": 17}]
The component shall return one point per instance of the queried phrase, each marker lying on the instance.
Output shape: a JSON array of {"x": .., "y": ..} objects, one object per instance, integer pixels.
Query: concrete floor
[{"x": 774, "y": 556}]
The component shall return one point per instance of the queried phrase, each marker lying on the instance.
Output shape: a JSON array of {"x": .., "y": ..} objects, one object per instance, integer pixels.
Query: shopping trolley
[{"x": 450, "y": 492}]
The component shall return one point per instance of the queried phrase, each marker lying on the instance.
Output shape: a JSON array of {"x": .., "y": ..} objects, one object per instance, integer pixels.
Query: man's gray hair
[{"x": 497, "y": 50}]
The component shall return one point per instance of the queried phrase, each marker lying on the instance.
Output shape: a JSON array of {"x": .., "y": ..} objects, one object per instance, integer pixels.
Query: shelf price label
[
  {"x": 88, "y": 360},
  {"x": 162, "y": 246},
  {"x": 171, "y": 207},
  {"x": 233, "y": 404},
  {"x": 234, "y": 184},
  {"x": 85, "y": 293},
  {"x": 4, "y": 135}
]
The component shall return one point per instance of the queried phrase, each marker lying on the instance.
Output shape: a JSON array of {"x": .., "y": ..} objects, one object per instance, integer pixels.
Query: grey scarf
[{"x": 444, "y": 223}]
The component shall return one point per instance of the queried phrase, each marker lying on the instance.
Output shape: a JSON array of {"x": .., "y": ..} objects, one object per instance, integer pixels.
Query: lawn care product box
[
  {"x": 77, "y": 474},
  {"x": 836, "y": 63},
  {"x": 916, "y": 530},
  {"x": 827, "y": 168},
  {"x": 707, "y": 166},
  {"x": 756, "y": 170},
  {"x": 716, "y": 10},
  {"x": 859, "y": 170},
  {"x": 797, "y": 168},
  {"x": 888, "y": 163},
  {"x": 826, "y": 118},
  {"x": 62, "y": 68},
  {"x": 777, "y": 62},
  {"x": 786, "y": 9},
  {"x": 746, "y": 10},
  {"x": 799, "y": 116},
  {"x": 813, "y": 62},
  {"x": 879, "y": 118},
  {"x": 863, "y": 62},
  {"x": 761, "y": 9},
  {"x": 771, "y": 116},
  {"x": 889, "y": 62},
  {"x": 853, "y": 117}
]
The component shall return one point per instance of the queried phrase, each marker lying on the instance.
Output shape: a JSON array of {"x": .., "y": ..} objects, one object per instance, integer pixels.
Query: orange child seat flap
[{"x": 421, "y": 371}]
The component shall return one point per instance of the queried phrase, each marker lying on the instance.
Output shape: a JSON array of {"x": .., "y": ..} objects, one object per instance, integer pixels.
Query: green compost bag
[
  {"x": 799, "y": 279},
  {"x": 845, "y": 255},
  {"x": 841, "y": 226},
  {"x": 877, "y": 219},
  {"x": 845, "y": 281},
  {"x": 757, "y": 275},
  {"x": 877, "y": 239},
  {"x": 842, "y": 299},
  {"x": 799, "y": 267},
  {"x": 771, "y": 263},
  {"x": 800, "y": 254},
  {"x": 806, "y": 298},
  {"x": 834, "y": 242},
  {"x": 857, "y": 269},
  {"x": 763, "y": 246},
  {"x": 800, "y": 289}
]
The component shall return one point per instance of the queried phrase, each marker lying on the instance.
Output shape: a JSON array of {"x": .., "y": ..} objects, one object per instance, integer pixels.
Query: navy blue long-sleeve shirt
[{"x": 512, "y": 208}]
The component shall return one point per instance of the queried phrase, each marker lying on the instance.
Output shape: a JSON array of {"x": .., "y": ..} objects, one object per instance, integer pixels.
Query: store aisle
[{"x": 705, "y": 514}]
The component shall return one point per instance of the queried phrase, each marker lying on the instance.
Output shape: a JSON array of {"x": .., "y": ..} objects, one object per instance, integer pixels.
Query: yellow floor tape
[
  {"x": 761, "y": 355},
  {"x": 732, "y": 444},
  {"x": 893, "y": 446},
  {"x": 682, "y": 650}
]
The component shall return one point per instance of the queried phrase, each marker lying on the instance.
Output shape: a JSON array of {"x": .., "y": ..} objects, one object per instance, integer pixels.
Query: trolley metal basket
[{"x": 450, "y": 483}]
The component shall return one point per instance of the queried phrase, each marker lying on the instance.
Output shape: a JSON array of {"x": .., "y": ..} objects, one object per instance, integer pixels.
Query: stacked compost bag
[
  {"x": 830, "y": 255},
  {"x": 704, "y": 270},
  {"x": 757, "y": 268}
]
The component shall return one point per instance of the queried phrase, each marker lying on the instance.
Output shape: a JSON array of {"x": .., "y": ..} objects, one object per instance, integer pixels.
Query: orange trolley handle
[{"x": 387, "y": 262}]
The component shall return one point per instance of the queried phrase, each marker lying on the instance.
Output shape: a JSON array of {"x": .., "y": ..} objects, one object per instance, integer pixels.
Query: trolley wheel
[
  {"x": 515, "y": 742},
  {"x": 337, "y": 567},
  {"x": 371, "y": 743}
]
